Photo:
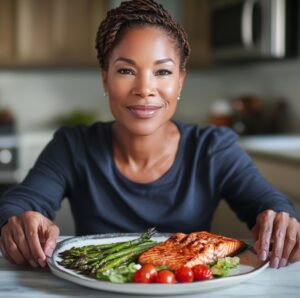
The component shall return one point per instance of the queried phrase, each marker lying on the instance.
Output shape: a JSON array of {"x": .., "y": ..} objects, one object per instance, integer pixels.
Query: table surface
[{"x": 25, "y": 282}]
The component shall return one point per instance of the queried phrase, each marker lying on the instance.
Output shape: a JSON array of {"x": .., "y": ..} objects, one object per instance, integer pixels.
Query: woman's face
[{"x": 143, "y": 80}]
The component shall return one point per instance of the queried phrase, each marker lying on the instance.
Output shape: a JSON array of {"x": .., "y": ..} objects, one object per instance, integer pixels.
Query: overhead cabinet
[
  {"x": 196, "y": 21},
  {"x": 50, "y": 32},
  {"x": 7, "y": 30}
]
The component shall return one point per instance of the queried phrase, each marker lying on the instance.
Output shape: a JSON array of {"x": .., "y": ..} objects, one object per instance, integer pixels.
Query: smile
[{"x": 142, "y": 111}]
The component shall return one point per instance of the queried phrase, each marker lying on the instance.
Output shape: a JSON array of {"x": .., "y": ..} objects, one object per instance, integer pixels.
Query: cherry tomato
[
  {"x": 165, "y": 277},
  {"x": 184, "y": 274},
  {"x": 146, "y": 274},
  {"x": 202, "y": 272}
]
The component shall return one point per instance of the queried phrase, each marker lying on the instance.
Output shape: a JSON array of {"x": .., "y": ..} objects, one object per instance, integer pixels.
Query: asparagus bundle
[{"x": 95, "y": 259}]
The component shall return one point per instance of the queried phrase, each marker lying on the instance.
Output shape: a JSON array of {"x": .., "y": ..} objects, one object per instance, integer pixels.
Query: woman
[{"x": 143, "y": 169}]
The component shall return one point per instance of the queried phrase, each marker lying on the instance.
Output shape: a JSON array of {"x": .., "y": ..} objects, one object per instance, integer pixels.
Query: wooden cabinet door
[
  {"x": 7, "y": 31},
  {"x": 57, "y": 32},
  {"x": 33, "y": 32},
  {"x": 70, "y": 26},
  {"x": 196, "y": 21},
  {"x": 98, "y": 9},
  {"x": 75, "y": 23}
]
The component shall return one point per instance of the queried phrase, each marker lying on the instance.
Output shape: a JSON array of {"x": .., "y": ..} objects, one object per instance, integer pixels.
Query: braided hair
[{"x": 138, "y": 13}]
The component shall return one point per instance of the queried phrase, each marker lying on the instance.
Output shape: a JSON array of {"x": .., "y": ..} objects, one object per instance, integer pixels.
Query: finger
[
  {"x": 255, "y": 234},
  {"x": 266, "y": 220},
  {"x": 11, "y": 249},
  {"x": 18, "y": 235},
  {"x": 51, "y": 238},
  {"x": 278, "y": 235},
  {"x": 290, "y": 241},
  {"x": 295, "y": 254},
  {"x": 5, "y": 254},
  {"x": 31, "y": 232}
]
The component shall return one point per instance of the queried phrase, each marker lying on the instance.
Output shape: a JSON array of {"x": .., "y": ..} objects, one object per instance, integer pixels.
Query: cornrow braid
[{"x": 136, "y": 13}]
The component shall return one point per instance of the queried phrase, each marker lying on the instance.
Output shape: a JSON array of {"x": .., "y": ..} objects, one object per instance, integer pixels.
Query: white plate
[{"x": 249, "y": 267}]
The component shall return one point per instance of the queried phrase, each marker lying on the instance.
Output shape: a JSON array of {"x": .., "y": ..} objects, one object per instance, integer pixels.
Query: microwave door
[{"x": 243, "y": 29}]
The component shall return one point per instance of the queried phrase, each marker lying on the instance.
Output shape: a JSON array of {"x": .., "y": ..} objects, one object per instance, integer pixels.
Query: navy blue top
[{"x": 78, "y": 164}]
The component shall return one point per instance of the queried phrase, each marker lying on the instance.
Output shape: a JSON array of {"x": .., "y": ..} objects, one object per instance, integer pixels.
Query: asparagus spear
[
  {"x": 89, "y": 259},
  {"x": 78, "y": 251},
  {"x": 125, "y": 258},
  {"x": 124, "y": 252},
  {"x": 143, "y": 238},
  {"x": 107, "y": 248}
]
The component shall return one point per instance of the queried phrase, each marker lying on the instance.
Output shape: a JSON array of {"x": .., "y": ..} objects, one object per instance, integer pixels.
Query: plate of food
[{"x": 155, "y": 264}]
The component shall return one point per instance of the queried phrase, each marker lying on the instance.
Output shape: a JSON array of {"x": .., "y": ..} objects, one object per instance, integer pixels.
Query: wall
[
  {"x": 270, "y": 80},
  {"x": 38, "y": 96}
]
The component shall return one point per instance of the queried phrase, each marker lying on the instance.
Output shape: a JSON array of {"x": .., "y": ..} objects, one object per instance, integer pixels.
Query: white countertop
[
  {"x": 26, "y": 282},
  {"x": 281, "y": 147}
]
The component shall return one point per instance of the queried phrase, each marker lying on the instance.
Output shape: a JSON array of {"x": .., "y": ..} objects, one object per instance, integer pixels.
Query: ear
[{"x": 104, "y": 79}]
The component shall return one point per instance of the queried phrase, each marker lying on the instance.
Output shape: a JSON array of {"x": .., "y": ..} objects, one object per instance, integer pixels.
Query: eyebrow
[{"x": 130, "y": 61}]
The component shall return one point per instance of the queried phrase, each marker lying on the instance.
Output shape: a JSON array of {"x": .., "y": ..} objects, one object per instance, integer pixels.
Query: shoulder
[
  {"x": 80, "y": 139},
  {"x": 73, "y": 134},
  {"x": 209, "y": 140}
]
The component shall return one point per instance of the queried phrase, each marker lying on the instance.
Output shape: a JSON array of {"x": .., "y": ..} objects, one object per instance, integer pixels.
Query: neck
[{"x": 142, "y": 151}]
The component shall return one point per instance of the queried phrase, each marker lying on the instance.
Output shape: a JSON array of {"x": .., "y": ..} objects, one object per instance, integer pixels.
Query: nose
[{"x": 144, "y": 85}]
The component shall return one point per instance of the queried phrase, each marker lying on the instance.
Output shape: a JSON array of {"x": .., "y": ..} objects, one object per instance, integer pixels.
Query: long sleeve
[
  {"x": 243, "y": 187},
  {"x": 45, "y": 185}
]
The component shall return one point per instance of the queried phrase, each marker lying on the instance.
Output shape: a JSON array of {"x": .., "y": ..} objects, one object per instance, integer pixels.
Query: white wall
[
  {"x": 269, "y": 80},
  {"x": 37, "y": 96}
]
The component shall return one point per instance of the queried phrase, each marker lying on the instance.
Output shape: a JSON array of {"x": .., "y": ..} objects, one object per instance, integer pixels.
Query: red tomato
[
  {"x": 202, "y": 272},
  {"x": 184, "y": 274},
  {"x": 165, "y": 277},
  {"x": 146, "y": 274}
]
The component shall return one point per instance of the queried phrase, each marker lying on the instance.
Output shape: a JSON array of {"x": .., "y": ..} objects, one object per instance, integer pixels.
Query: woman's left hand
[{"x": 283, "y": 232}]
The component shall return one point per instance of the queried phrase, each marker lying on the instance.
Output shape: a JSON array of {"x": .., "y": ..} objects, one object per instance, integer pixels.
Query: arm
[
  {"x": 269, "y": 213},
  {"x": 26, "y": 211}
]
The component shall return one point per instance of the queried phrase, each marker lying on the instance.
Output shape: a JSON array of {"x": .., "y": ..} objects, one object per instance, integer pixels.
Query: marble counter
[
  {"x": 282, "y": 148},
  {"x": 25, "y": 282}
]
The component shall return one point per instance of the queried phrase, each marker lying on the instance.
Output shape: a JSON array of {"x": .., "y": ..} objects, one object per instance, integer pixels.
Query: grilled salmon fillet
[{"x": 191, "y": 249}]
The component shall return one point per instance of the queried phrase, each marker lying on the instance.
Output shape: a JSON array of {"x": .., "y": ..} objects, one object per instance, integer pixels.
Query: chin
[{"x": 143, "y": 128}]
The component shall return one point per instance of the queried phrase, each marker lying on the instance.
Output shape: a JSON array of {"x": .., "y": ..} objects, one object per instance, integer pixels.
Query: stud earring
[
  {"x": 178, "y": 97},
  {"x": 104, "y": 94}
]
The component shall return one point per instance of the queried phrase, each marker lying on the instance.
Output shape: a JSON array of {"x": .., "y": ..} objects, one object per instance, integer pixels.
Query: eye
[
  {"x": 163, "y": 72},
  {"x": 126, "y": 71}
]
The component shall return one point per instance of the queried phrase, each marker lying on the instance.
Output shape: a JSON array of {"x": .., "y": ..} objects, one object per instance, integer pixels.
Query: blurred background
[{"x": 243, "y": 73}]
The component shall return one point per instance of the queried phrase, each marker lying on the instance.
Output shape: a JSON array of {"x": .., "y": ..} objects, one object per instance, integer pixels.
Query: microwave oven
[{"x": 254, "y": 29}]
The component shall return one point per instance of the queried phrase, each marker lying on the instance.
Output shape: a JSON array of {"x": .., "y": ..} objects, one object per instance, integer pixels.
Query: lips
[{"x": 144, "y": 111}]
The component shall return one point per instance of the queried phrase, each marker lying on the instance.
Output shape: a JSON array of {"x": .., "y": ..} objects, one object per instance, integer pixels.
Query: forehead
[{"x": 147, "y": 43}]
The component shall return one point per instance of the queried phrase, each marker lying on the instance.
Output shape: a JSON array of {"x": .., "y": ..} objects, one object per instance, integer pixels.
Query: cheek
[
  {"x": 118, "y": 89},
  {"x": 170, "y": 91}
]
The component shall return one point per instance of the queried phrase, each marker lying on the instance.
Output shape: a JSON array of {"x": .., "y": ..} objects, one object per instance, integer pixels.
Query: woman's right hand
[{"x": 28, "y": 238}]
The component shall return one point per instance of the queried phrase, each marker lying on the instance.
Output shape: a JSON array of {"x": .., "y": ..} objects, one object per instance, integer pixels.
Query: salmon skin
[{"x": 191, "y": 249}]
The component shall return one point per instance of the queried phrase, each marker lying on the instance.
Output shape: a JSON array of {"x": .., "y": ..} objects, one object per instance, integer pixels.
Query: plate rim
[{"x": 156, "y": 289}]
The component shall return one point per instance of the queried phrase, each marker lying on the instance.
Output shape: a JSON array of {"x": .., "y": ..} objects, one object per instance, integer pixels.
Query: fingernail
[
  {"x": 49, "y": 251},
  {"x": 33, "y": 263},
  {"x": 282, "y": 262},
  {"x": 42, "y": 262},
  {"x": 275, "y": 263},
  {"x": 263, "y": 255}
]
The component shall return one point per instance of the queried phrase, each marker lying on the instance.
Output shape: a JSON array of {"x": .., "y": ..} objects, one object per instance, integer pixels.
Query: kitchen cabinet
[
  {"x": 7, "y": 30},
  {"x": 51, "y": 32},
  {"x": 277, "y": 157},
  {"x": 196, "y": 21},
  {"x": 225, "y": 222},
  {"x": 281, "y": 173}
]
